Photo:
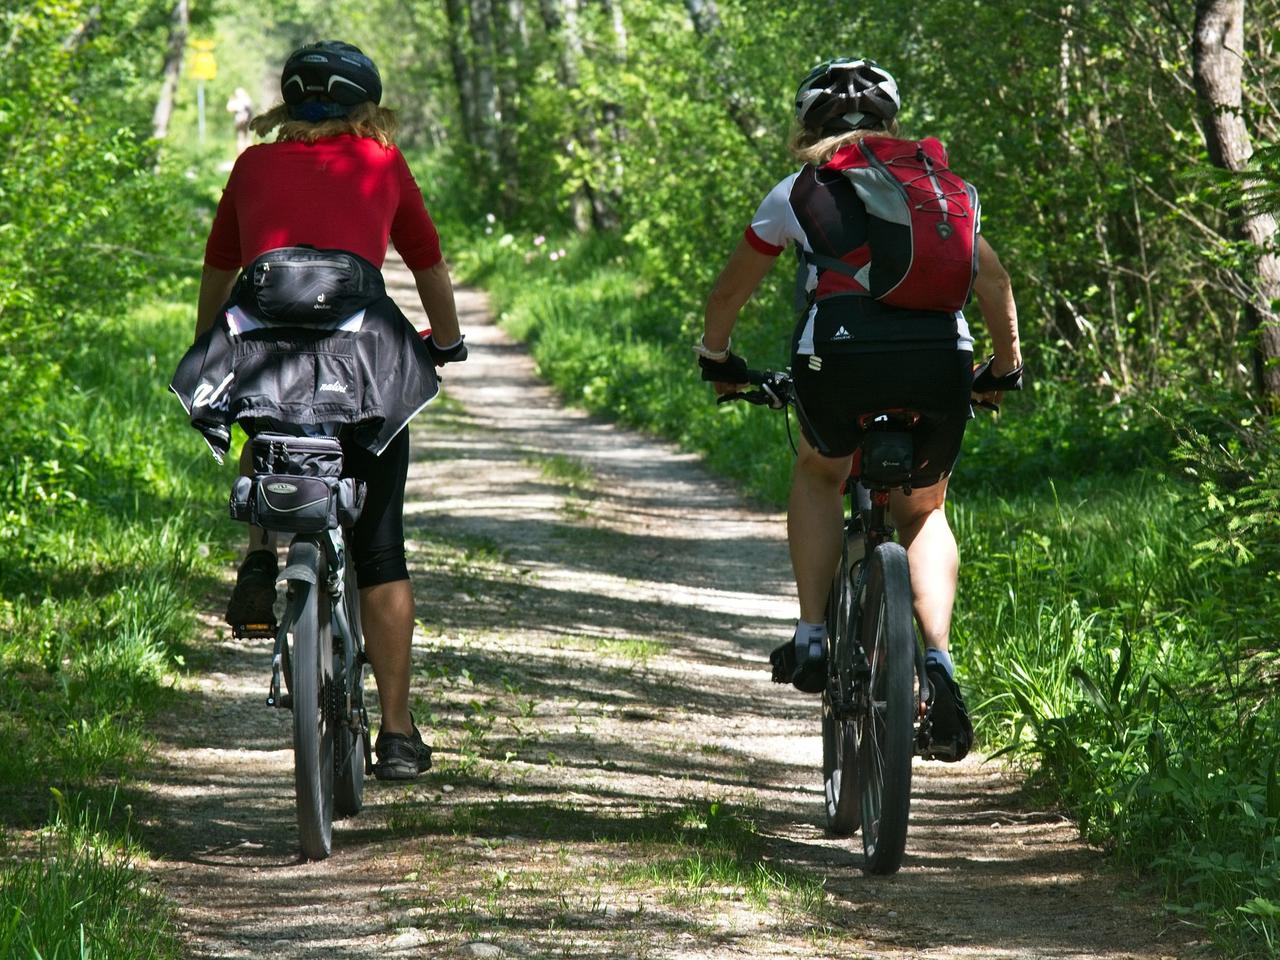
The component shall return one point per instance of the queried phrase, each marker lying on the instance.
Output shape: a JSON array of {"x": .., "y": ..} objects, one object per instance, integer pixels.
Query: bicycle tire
[
  {"x": 839, "y": 734},
  {"x": 886, "y": 722},
  {"x": 312, "y": 663},
  {"x": 349, "y": 743}
]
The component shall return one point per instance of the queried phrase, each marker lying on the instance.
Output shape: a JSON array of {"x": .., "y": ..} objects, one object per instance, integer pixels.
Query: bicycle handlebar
[{"x": 775, "y": 390}]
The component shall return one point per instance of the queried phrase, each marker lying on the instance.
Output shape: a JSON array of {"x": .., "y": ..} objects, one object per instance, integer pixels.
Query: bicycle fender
[{"x": 303, "y": 563}]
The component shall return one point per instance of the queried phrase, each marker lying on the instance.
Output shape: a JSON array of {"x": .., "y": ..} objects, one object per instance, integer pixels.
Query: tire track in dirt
[{"x": 615, "y": 775}]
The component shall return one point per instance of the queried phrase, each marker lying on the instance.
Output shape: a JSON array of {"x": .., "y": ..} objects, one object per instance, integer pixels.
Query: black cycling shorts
[
  {"x": 933, "y": 383},
  {"x": 377, "y": 540}
]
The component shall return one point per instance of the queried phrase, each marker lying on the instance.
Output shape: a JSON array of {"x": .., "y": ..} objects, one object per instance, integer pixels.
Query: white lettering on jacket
[{"x": 215, "y": 398}]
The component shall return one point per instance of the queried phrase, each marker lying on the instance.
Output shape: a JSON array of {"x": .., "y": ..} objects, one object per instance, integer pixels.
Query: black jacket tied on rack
[{"x": 363, "y": 375}]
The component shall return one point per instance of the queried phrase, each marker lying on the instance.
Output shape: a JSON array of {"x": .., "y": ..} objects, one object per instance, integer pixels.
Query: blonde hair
[
  {"x": 365, "y": 120},
  {"x": 815, "y": 148}
]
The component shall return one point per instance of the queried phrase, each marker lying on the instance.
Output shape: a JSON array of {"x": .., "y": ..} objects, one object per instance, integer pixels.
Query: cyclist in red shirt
[
  {"x": 852, "y": 354},
  {"x": 333, "y": 179}
]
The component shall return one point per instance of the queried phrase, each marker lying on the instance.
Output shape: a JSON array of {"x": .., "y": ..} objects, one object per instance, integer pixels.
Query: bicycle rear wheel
[
  {"x": 349, "y": 743},
  {"x": 886, "y": 725},
  {"x": 839, "y": 732},
  {"x": 312, "y": 662}
]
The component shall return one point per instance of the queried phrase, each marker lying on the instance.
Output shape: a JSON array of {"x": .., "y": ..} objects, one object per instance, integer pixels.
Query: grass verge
[
  {"x": 81, "y": 896},
  {"x": 109, "y": 543}
]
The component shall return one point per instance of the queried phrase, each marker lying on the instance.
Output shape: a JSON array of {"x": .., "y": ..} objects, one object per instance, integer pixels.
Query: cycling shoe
[
  {"x": 808, "y": 675},
  {"x": 401, "y": 756},
  {"x": 950, "y": 730},
  {"x": 250, "y": 608}
]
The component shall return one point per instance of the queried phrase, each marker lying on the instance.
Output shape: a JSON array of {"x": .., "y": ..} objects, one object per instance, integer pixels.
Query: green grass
[
  {"x": 101, "y": 564},
  {"x": 1131, "y": 674},
  {"x": 636, "y": 649},
  {"x": 565, "y": 471},
  {"x": 694, "y": 855},
  {"x": 715, "y": 853},
  {"x": 80, "y": 896},
  {"x": 110, "y": 541}
]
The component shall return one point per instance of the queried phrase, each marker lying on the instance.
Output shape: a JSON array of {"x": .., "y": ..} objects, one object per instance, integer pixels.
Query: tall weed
[
  {"x": 100, "y": 562},
  {"x": 80, "y": 896}
]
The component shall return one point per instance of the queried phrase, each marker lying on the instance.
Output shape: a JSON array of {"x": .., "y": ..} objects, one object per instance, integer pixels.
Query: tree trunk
[
  {"x": 462, "y": 76},
  {"x": 179, "y": 22},
  {"x": 515, "y": 14},
  {"x": 613, "y": 10},
  {"x": 511, "y": 37},
  {"x": 487, "y": 115},
  {"x": 560, "y": 17},
  {"x": 707, "y": 24},
  {"x": 1218, "y": 64},
  {"x": 564, "y": 36}
]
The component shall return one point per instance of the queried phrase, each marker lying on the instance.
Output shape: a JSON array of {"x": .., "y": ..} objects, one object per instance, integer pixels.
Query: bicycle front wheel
[
  {"x": 886, "y": 726},
  {"x": 312, "y": 661},
  {"x": 839, "y": 732}
]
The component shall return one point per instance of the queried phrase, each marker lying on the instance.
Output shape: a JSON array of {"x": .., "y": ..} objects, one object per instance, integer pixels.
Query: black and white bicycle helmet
[
  {"x": 328, "y": 78},
  {"x": 847, "y": 94}
]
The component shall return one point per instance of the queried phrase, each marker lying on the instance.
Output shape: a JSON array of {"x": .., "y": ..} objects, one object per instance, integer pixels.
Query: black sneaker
[
  {"x": 950, "y": 730},
  {"x": 808, "y": 675},
  {"x": 250, "y": 608},
  {"x": 401, "y": 756}
]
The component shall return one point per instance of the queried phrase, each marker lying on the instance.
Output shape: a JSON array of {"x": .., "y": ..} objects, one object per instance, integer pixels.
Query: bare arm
[
  {"x": 995, "y": 299},
  {"x": 215, "y": 288},
  {"x": 733, "y": 288},
  {"x": 435, "y": 290}
]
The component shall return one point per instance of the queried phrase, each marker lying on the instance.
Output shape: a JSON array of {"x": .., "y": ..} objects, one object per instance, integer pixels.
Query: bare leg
[
  {"x": 932, "y": 557},
  {"x": 386, "y": 614},
  {"x": 815, "y": 515},
  {"x": 259, "y": 539}
]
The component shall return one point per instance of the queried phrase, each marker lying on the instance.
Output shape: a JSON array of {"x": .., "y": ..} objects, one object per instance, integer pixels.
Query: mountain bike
[
  {"x": 877, "y": 700},
  {"x": 319, "y": 658}
]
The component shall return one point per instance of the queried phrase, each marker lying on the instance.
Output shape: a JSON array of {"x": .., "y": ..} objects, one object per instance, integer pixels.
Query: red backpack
[{"x": 922, "y": 224}]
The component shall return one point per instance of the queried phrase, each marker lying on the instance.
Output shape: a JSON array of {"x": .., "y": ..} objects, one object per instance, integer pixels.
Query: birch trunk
[
  {"x": 1218, "y": 65},
  {"x": 705, "y": 17},
  {"x": 487, "y": 114},
  {"x": 511, "y": 41},
  {"x": 179, "y": 23},
  {"x": 462, "y": 76},
  {"x": 560, "y": 17}
]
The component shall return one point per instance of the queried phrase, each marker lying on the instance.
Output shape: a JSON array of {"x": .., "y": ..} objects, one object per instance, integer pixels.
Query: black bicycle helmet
[
  {"x": 326, "y": 79},
  {"x": 847, "y": 94}
]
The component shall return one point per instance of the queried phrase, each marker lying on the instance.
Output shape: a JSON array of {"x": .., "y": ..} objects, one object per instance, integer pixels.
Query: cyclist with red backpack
[{"x": 888, "y": 252}]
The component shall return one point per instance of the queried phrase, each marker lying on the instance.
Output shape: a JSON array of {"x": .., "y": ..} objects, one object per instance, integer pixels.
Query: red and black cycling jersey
[
  {"x": 344, "y": 192},
  {"x": 819, "y": 211}
]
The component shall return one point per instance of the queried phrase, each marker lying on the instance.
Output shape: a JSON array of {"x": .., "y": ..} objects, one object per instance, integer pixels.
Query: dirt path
[{"x": 615, "y": 775}]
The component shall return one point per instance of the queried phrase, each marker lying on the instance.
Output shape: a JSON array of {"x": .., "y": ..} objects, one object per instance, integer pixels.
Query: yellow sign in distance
[{"x": 203, "y": 64}]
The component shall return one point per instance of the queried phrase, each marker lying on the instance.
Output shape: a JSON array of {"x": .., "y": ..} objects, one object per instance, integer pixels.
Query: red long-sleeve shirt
[{"x": 344, "y": 192}]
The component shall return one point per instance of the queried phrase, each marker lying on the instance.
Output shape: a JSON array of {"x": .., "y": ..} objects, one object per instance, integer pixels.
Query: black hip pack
[{"x": 304, "y": 286}]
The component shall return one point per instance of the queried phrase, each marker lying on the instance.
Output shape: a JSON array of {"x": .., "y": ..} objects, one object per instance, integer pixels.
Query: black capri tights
[{"x": 377, "y": 539}]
